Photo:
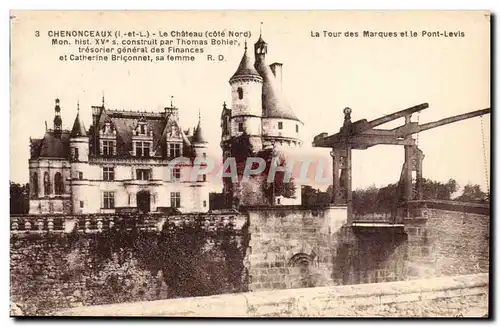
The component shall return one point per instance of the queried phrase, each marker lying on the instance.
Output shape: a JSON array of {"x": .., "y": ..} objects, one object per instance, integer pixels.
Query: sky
[{"x": 321, "y": 76}]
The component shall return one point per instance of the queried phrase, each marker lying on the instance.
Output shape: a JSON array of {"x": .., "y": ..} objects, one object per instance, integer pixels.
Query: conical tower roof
[
  {"x": 274, "y": 104},
  {"x": 246, "y": 67},
  {"x": 78, "y": 126},
  {"x": 198, "y": 136}
]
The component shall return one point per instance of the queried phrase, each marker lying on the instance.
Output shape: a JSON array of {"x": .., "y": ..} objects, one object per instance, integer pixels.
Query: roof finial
[
  {"x": 103, "y": 99},
  {"x": 245, "y": 44},
  {"x": 224, "y": 105},
  {"x": 171, "y": 101},
  {"x": 78, "y": 106},
  {"x": 261, "y": 28},
  {"x": 46, "y": 128},
  {"x": 199, "y": 114}
]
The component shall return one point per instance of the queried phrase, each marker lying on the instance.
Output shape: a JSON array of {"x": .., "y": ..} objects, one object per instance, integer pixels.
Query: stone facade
[
  {"x": 294, "y": 247},
  {"x": 125, "y": 161},
  {"x": 259, "y": 115}
]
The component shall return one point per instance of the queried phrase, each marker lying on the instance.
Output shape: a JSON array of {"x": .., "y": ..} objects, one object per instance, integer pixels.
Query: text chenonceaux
[{"x": 160, "y": 33}]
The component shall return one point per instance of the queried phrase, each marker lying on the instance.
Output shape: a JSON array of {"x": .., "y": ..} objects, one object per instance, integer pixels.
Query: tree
[
  {"x": 433, "y": 190},
  {"x": 473, "y": 193},
  {"x": 19, "y": 198}
]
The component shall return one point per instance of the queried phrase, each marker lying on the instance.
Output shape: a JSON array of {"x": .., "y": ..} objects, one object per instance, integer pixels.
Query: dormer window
[
  {"x": 107, "y": 139},
  {"x": 108, "y": 147},
  {"x": 174, "y": 150},
  {"x": 142, "y": 149}
]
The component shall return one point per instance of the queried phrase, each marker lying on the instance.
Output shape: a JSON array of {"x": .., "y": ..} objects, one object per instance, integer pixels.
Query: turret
[
  {"x": 246, "y": 102},
  {"x": 199, "y": 141},
  {"x": 57, "y": 117},
  {"x": 79, "y": 157}
]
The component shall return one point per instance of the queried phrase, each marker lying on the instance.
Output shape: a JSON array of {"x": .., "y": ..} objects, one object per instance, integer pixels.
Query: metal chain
[{"x": 486, "y": 173}]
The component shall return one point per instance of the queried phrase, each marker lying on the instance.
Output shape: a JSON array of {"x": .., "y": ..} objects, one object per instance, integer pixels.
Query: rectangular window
[
  {"x": 81, "y": 204},
  {"x": 175, "y": 199},
  {"x": 108, "y": 173},
  {"x": 176, "y": 174},
  {"x": 109, "y": 200},
  {"x": 80, "y": 175},
  {"x": 297, "y": 128},
  {"x": 138, "y": 149},
  {"x": 280, "y": 125},
  {"x": 76, "y": 154},
  {"x": 174, "y": 150},
  {"x": 142, "y": 149},
  {"x": 204, "y": 203},
  {"x": 142, "y": 174},
  {"x": 107, "y": 148},
  {"x": 240, "y": 127},
  {"x": 204, "y": 177}
]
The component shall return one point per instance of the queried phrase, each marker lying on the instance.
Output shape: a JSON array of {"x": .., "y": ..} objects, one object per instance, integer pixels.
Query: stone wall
[
  {"x": 188, "y": 255},
  {"x": 92, "y": 259},
  {"x": 296, "y": 247},
  {"x": 461, "y": 296},
  {"x": 448, "y": 243},
  {"x": 290, "y": 246}
]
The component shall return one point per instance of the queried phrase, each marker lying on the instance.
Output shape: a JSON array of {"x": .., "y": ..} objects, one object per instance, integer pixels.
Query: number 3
[{"x": 37, "y": 33}]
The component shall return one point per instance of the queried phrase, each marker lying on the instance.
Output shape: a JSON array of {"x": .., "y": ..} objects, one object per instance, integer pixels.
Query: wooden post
[
  {"x": 348, "y": 186},
  {"x": 420, "y": 159},
  {"x": 407, "y": 181},
  {"x": 335, "y": 176}
]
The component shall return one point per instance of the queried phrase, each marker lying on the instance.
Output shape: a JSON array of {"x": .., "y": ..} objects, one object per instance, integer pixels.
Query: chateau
[
  {"x": 261, "y": 116},
  {"x": 121, "y": 163}
]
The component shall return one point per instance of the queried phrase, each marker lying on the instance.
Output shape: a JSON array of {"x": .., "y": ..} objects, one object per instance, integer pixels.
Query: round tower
[
  {"x": 246, "y": 102},
  {"x": 79, "y": 159},
  {"x": 199, "y": 142},
  {"x": 201, "y": 192}
]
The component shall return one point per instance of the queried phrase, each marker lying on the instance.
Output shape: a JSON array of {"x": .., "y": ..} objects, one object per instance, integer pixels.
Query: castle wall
[
  {"x": 55, "y": 270},
  {"x": 281, "y": 247}
]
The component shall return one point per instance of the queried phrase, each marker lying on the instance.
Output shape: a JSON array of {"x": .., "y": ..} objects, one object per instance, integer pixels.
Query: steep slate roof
[
  {"x": 78, "y": 127},
  {"x": 245, "y": 68},
  {"x": 53, "y": 145},
  {"x": 125, "y": 121}
]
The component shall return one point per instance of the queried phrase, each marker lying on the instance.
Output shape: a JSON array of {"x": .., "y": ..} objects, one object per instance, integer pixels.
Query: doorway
[{"x": 144, "y": 201}]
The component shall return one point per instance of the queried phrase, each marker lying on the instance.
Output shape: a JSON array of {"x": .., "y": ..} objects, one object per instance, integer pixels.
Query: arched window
[
  {"x": 34, "y": 184},
  {"x": 240, "y": 93},
  {"x": 58, "y": 183},
  {"x": 46, "y": 183},
  {"x": 302, "y": 262}
]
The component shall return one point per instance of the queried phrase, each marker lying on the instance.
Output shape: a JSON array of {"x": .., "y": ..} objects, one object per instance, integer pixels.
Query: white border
[{"x": 185, "y": 4}]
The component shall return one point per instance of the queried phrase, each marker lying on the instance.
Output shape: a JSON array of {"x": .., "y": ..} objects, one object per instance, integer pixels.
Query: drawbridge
[{"x": 363, "y": 134}]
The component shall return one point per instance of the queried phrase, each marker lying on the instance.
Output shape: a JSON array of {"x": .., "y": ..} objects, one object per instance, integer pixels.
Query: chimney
[{"x": 277, "y": 69}]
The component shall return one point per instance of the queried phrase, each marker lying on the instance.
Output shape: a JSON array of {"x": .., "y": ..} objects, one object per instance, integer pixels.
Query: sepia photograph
[{"x": 249, "y": 164}]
